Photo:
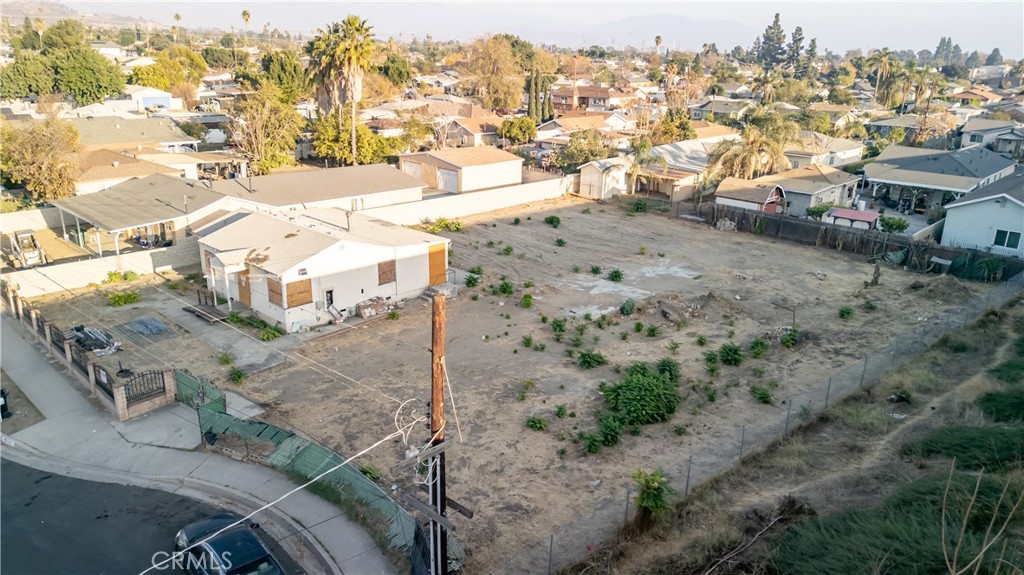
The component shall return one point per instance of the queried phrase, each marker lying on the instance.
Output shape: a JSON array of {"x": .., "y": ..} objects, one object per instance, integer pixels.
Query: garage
[{"x": 448, "y": 180}]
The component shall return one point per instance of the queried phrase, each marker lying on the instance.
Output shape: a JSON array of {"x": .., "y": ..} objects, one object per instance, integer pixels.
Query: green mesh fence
[{"x": 198, "y": 392}]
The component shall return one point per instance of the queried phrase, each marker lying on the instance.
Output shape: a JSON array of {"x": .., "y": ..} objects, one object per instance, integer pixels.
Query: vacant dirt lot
[{"x": 345, "y": 387}]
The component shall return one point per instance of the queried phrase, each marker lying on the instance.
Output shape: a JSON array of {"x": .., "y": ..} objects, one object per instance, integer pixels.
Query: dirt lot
[{"x": 344, "y": 388}]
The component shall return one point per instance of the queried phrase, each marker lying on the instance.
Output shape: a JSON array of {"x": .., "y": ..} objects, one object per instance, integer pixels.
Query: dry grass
[
  {"x": 789, "y": 456},
  {"x": 867, "y": 418},
  {"x": 917, "y": 377}
]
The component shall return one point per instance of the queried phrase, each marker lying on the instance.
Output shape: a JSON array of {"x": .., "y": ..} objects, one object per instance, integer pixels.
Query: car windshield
[{"x": 264, "y": 566}]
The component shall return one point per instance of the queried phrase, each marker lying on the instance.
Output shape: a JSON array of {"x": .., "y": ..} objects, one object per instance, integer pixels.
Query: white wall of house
[
  {"x": 82, "y": 188},
  {"x": 37, "y": 219},
  {"x": 737, "y": 203},
  {"x": 981, "y": 138},
  {"x": 599, "y": 184},
  {"x": 491, "y": 175},
  {"x": 353, "y": 203},
  {"x": 976, "y": 225}
]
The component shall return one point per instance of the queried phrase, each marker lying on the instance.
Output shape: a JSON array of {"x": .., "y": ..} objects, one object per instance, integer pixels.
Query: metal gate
[
  {"x": 146, "y": 385},
  {"x": 80, "y": 358},
  {"x": 103, "y": 380},
  {"x": 41, "y": 326},
  {"x": 57, "y": 339}
]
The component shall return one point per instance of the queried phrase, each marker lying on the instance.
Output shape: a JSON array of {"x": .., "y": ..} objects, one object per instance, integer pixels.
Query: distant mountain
[
  {"x": 16, "y": 10},
  {"x": 678, "y": 32}
]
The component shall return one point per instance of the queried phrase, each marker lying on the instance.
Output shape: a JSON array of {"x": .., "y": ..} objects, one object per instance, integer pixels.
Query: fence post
[
  {"x": 67, "y": 353},
  {"x": 863, "y": 372},
  {"x": 90, "y": 368},
  {"x": 33, "y": 315},
  {"x": 120, "y": 400},
  {"x": 551, "y": 548},
  {"x": 689, "y": 467},
  {"x": 827, "y": 391},
  {"x": 743, "y": 437},
  {"x": 170, "y": 385},
  {"x": 789, "y": 407}
]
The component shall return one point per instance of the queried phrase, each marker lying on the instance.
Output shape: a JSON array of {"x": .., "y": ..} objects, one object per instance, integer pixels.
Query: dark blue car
[{"x": 235, "y": 551}]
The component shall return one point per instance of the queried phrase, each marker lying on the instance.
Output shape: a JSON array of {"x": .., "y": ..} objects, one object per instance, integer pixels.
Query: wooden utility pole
[{"x": 438, "y": 497}]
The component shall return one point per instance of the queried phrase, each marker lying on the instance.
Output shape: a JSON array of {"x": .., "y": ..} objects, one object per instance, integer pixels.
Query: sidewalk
[{"x": 81, "y": 440}]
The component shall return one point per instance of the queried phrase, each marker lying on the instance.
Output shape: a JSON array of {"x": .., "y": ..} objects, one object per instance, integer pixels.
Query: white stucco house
[
  {"x": 812, "y": 186},
  {"x": 989, "y": 218},
  {"x": 303, "y": 270},
  {"x": 461, "y": 170},
  {"x": 604, "y": 179},
  {"x": 817, "y": 148}
]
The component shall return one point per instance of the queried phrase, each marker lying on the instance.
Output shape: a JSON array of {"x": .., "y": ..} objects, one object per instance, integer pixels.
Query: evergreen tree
[
  {"x": 532, "y": 107},
  {"x": 942, "y": 51},
  {"x": 956, "y": 55},
  {"x": 994, "y": 59},
  {"x": 549, "y": 109},
  {"x": 29, "y": 38},
  {"x": 796, "y": 46},
  {"x": 773, "y": 44},
  {"x": 754, "y": 54},
  {"x": 973, "y": 60}
]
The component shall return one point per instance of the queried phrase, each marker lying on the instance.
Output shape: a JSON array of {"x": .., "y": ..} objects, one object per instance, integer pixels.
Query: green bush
[
  {"x": 536, "y": 423},
  {"x": 758, "y": 347},
  {"x": 1003, "y": 405},
  {"x": 596, "y": 270},
  {"x": 789, "y": 339},
  {"x": 654, "y": 493},
  {"x": 990, "y": 448},
  {"x": 639, "y": 206},
  {"x": 118, "y": 299},
  {"x": 869, "y": 305},
  {"x": 472, "y": 280},
  {"x": 553, "y": 221},
  {"x": 762, "y": 394},
  {"x": 643, "y": 398},
  {"x": 592, "y": 442},
  {"x": 845, "y": 313},
  {"x": 669, "y": 368},
  {"x": 129, "y": 276},
  {"x": 928, "y": 492},
  {"x": 393, "y": 314},
  {"x": 610, "y": 428},
  {"x": 653, "y": 331},
  {"x": 638, "y": 327},
  {"x": 226, "y": 358},
  {"x": 515, "y": 221},
  {"x": 113, "y": 278},
  {"x": 560, "y": 410},
  {"x": 526, "y": 302},
  {"x": 507, "y": 288},
  {"x": 527, "y": 341},
  {"x": 628, "y": 307},
  {"x": 476, "y": 270},
  {"x": 236, "y": 375},
  {"x": 507, "y": 250},
  {"x": 673, "y": 346},
  {"x": 702, "y": 340},
  {"x": 1010, "y": 371},
  {"x": 559, "y": 242},
  {"x": 615, "y": 275},
  {"x": 730, "y": 354},
  {"x": 589, "y": 359},
  {"x": 558, "y": 325}
]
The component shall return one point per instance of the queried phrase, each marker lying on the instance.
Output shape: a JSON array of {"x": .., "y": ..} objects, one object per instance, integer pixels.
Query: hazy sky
[{"x": 685, "y": 25}]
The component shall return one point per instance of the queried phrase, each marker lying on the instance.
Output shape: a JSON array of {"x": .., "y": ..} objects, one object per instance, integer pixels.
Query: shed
[
  {"x": 751, "y": 195},
  {"x": 863, "y": 219},
  {"x": 459, "y": 170}
]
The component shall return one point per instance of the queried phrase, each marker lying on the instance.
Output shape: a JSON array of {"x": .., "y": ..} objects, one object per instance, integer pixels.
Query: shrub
[
  {"x": 476, "y": 270},
  {"x": 507, "y": 250},
  {"x": 610, "y": 428},
  {"x": 643, "y": 250},
  {"x": 560, "y": 411},
  {"x": 1003, "y": 405},
  {"x": 592, "y": 442},
  {"x": 596, "y": 270},
  {"x": 472, "y": 280},
  {"x": 762, "y": 394},
  {"x": 515, "y": 221},
  {"x": 643, "y": 398},
  {"x": 758, "y": 347},
  {"x": 576, "y": 341},
  {"x": 638, "y": 206},
  {"x": 1010, "y": 371},
  {"x": 679, "y": 429},
  {"x": 585, "y": 211},
  {"x": 702, "y": 340},
  {"x": 113, "y": 278},
  {"x": 553, "y": 221},
  {"x": 575, "y": 268},
  {"x": 638, "y": 327},
  {"x": 129, "y": 276},
  {"x": 789, "y": 339},
  {"x": 869, "y": 305},
  {"x": 669, "y": 368},
  {"x": 710, "y": 393},
  {"x": 673, "y": 346},
  {"x": 623, "y": 335},
  {"x": 559, "y": 242},
  {"x": 507, "y": 288},
  {"x": 893, "y": 224},
  {"x": 118, "y": 299},
  {"x": 543, "y": 318},
  {"x": 628, "y": 307},
  {"x": 990, "y": 448},
  {"x": 539, "y": 347},
  {"x": 226, "y": 358},
  {"x": 845, "y": 313},
  {"x": 526, "y": 302},
  {"x": 536, "y": 423},
  {"x": 558, "y": 325},
  {"x": 730, "y": 354},
  {"x": 653, "y": 331},
  {"x": 652, "y": 498},
  {"x": 527, "y": 341},
  {"x": 236, "y": 375},
  {"x": 615, "y": 275},
  {"x": 589, "y": 359},
  {"x": 393, "y": 314}
]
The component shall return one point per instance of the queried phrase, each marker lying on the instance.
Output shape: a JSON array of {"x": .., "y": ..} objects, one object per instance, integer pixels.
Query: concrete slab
[
  {"x": 175, "y": 426},
  {"x": 241, "y": 407}
]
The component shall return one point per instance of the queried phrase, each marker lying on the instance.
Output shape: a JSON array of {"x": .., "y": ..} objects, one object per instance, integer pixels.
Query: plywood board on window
[
  {"x": 274, "y": 291},
  {"x": 300, "y": 293},
  {"x": 386, "y": 272}
]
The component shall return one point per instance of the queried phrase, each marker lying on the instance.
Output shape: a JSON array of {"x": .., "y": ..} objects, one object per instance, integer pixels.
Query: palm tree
[
  {"x": 642, "y": 159},
  {"x": 756, "y": 154},
  {"x": 174, "y": 29},
  {"x": 765, "y": 83},
  {"x": 657, "y": 45},
  {"x": 339, "y": 56},
  {"x": 246, "y": 16},
  {"x": 921, "y": 78},
  {"x": 881, "y": 64}
]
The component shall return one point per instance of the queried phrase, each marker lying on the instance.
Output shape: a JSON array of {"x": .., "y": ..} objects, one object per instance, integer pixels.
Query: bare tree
[{"x": 953, "y": 564}]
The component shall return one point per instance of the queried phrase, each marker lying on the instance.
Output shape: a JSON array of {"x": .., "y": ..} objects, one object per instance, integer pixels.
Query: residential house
[
  {"x": 977, "y": 94},
  {"x": 108, "y": 50},
  {"x": 786, "y": 109},
  {"x": 940, "y": 128},
  {"x": 990, "y": 218},
  {"x": 444, "y": 81},
  {"x": 593, "y": 98},
  {"x": 751, "y": 195},
  {"x": 391, "y": 128},
  {"x": 583, "y": 120},
  {"x": 129, "y": 63},
  {"x": 985, "y": 74},
  {"x": 817, "y": 148},
  {"x": 309, "y": 269},
  {"x": 737, "y": 91},
  {"x": 862, "y": 219},
  {"x": 814, "y": 185},
  {"x": 117, "y": 134},
  {"x": 719, "y": 107},
  {"x": 1001, "y": 136},
  {"x": 838, "y": 114},
  {"x": 102, "y": 169},
  {"x": 472, "y": 132},
  {"x": 460, "y": 170},
  {"x": 927, "y": 178},
  {"x": 192, "y": 165},
  {"x": 149, "y": 98},
  {"x": 350, "y": 188},
  {"x": 707, "y": 131},
  {"x": 605, "y": 179}
]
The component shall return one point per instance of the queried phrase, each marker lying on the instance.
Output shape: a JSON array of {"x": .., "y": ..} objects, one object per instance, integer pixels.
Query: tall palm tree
[
  {"x": 339, "y": 56},
  {"x": 756, "y": 154},
  {"x": 765, "y": 84},
  {"x": 643, "y": 159},
  {"x": 657, "y": 45},
  {"x": 921, "y": 78},
  {"x": 177, "y": 18},
  {"x": 246, "y": 16},
  {"x": 881, "y": 64}
]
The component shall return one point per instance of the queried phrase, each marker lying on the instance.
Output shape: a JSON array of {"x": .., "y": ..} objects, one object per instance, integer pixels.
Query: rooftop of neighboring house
[
  {"x": 831, "y": 109},
  {"x": 723, "y": 105},
  {"x": 956, "y": 169},
  {"x": 904, "y": 121},
  {"x": 690, "y": 156},
  {"x": 140, "y": 202},
  {"x": 982, "y": 125},
  {"x": 101, "y": 131},
  {"x": 706, "y": 130},
  {"x": 1011, "y": 186},
  {"x": 810, "y": 179},
  {"x": 471, "y": 156},
  {"x": 290, "y": 188},
  {"x": 816, "y": 143},
  {"x": 584, "y": 121},
  {"x": 853, "y": 215},
  {"x": 484, "y": 125},
  {"x": 975, "y": 93},
  {"x": 136, "y": 89},
  {"x": 360, "y": 228},
  {"x": 745, "y": 190},
  {"x": 589, "y": 92},
  {"x": 102, "y": 165}
]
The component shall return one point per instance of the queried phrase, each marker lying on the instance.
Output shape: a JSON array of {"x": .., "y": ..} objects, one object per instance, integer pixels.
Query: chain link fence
[{"x": 550, "y": 552}]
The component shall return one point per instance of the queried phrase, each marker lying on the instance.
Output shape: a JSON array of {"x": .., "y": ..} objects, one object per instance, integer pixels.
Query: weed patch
[{"x": 991, "y": 448}]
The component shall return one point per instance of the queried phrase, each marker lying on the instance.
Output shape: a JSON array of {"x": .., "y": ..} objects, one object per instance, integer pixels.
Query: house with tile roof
[
  {"x": 593, "y": 98},
  {"x": 817, "y": 148},
  {"x": 989, "y": 218},
  {"x": 928, "y": 178},
  {"x": 814, "y": 185}
]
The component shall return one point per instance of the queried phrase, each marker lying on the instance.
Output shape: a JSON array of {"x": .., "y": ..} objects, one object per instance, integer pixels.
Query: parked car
[{"x": 235, "y": 551}]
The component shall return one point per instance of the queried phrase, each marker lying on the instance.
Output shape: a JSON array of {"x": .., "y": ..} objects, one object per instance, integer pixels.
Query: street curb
[{"x": 280, "y": 525}]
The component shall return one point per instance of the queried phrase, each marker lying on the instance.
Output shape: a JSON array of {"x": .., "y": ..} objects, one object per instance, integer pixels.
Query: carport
[{"x": 155, "y": 211}]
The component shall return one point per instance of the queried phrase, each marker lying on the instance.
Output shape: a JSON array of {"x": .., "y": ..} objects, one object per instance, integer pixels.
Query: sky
[{"x": 837, "y": 25}]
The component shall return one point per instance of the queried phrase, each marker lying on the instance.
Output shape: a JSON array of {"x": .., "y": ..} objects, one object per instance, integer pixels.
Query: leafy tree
[
  {"x": 125, "y": 37},
  {"x": 549, "y": 109},
  {"x": 814, "y": 121},
  {"x": 893, "y": 224},
  {"x": 522, "y": 50},
  {"x": 246, "y": 16},
  {"x": 340, "y": 56},
  {"x": 85, "y": 75},
  {"x": 39, "y": 155},
  {"x": 416, "y": 131},
  {"x": 654, "y": 75},
  {"x": 994, "y": 59},
  {"x": 973, "y": 60},
  {"x": 840, "y": 75},
  {"x": 584, "y": 146},
  {"x": 219, "y": 58},
  {"x": 163, "y": 75},
  {"x": 841, "y": 96},
  {"x": 194, "y": 129},
  {"x": 30, "y": 73},
  {"x": 331, "y": 140},
  {"x": 397, "y": 70},
  {"x": 643, "y": 159},
  {"x": 265, "y": 129},
  {"x": 652, "y": 498},
  {"x": 193, "y": 64},
  {"x": 758, "y": 153},
  {"x": 64, "y": 35},
  {"x": 881, "y": 63},
  {"x": 815, "y": 212},
  {"x": 518, "y": 130},
  {"x": 673, "y": 126},
  {"x": 773, "y": 45},
  {"x": 492, "y": 73},
  {"x": 285, "y": 71},
  {"x": 29, "y": 39}
]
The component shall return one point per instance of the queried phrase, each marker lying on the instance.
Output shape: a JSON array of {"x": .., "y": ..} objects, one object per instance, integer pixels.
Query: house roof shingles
[
  {"x": 113, "y": 131},
  {"x": 745, "y": 190},
  {"x": 810, "y": 179},
  {"x": 100, "y": 165},
  {"x": 1011, "y": 186},
  {"x": 955, "y": 170},
  {"x": 274, "y": 244},
  {"x": 473, "y": 156}
]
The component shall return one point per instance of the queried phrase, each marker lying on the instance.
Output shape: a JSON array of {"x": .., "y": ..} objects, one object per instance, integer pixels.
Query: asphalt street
[{"x": 54, "y": 524}]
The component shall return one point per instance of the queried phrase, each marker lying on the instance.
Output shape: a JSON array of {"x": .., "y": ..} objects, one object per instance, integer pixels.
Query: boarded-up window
[
  {"x": 274, "y": 291},
  {"x": 385, "y": 272},
  {"x": 300, "y": 293}
]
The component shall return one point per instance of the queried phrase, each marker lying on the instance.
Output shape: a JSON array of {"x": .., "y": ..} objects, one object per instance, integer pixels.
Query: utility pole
[{"x": 438, "y": 496}]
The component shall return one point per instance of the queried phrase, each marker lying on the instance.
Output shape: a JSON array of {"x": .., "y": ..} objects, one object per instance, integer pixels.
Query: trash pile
[{"x": 94, "y": 340}]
